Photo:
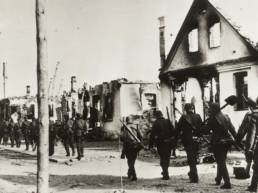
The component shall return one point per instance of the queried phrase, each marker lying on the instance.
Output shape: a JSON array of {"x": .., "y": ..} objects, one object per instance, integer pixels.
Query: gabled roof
[
  {"x": 241, "y": 17},
  {"x": 237, "y": 19}
]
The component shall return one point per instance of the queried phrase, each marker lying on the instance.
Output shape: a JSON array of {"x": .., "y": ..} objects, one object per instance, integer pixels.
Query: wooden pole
[
  {"x": 42, "y": 74},
  {"x": 4, "y": 78}
]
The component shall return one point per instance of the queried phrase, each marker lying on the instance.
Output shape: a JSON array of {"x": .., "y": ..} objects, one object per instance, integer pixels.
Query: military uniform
[
  {"x": 34, "y": 133},
  {"x": 162, "y": 136},
  {"x": 1, "y": 131},
  {"x": 5, "y": 132},
  {"x": 26, "y": 132},
  {"x": 68, "y": 136},
  {"x": 249, "y": 128},
  {"x": 80, "y": 128},
  {"x": 11, "y": 132},
  {"x": 223, "y": 134},
  {"x": 188, "y": 129},
  {"x": 18, "y": 133},
  {"x": 131, "y": 148},
  {"x": 52, "y": 137}
]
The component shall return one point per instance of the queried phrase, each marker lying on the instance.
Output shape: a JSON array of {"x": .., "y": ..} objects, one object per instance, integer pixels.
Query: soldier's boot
[
  {"x": 194, "y": 178},
  {"x": 133, "y": 175},
  {"x": 82, "y": 152},
  {"x": 12, "y": 142},
  {"x": 253, "y": 186},
  {"x": 27, "y": 146},
  {"x": 227, "y": 184},
  {"x": 193, "y": 175},
  {"x": 73, "y": 152},
  {"x": 129, "y": 174},
  {"x": 165, "y": 173},
  {"x": 66, "y": 147},
  {"x": 35, "y": 147},
  {"x": 67, "y": 150}
]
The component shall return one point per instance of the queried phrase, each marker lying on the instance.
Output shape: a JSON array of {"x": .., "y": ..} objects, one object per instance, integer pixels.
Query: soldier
[
  {"x": 5, "y": 132},
  {"x": 163, "y": 136},
  {"x": 11, "y": 131},
  {"x": 18, "y": 132},
  {"x": 80, "y": 128},
  {"x": 188, "y": 129},
  {"x": 26, "y": 132},
  {"x": 223, "y": 135},
  {"x": 68, "y": 135},
  {"x": 52, "y": 137},
  {"x": 249, "y": 128},
  {"x": 1, "y": 131},
  {"x": 34, "y": 133},
  {"x": 131, "y": 146}
]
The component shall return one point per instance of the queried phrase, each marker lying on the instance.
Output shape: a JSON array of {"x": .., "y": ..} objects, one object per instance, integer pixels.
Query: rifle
[{"x": 132, "y": 134}]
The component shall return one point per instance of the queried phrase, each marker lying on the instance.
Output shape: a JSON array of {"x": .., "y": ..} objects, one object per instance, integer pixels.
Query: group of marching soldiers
[
  {"x": 71, "y": 132},
  {"x": 191, "y": 130},
  {"x": 15, "y": 131}
]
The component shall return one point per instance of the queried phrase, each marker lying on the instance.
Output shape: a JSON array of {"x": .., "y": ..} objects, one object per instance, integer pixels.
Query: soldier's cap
[
  {"x": 129, "y": 118},
  {"x": 188, "y": 106},
  {"x": 214, "y": 107},
  {"x": 158, "y": 114}
]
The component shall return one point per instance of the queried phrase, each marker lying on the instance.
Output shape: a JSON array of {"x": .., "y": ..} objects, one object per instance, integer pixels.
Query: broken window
[
  {"x": 96, "y": 102},
  {"x": 108, "y": 108},
  {"x": 193, "y": 40},
  {"x": 214, "y": 35},
  {"x": 241, "y": 89}
]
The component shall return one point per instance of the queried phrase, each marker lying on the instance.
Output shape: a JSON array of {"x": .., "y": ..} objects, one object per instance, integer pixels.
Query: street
[{"x": 100, "y": 172}]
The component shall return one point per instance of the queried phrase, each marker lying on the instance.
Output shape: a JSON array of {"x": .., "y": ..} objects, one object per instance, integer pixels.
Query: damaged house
[
  {"x": 209, "y": 60},
  {"x": 112, "y": 101}
]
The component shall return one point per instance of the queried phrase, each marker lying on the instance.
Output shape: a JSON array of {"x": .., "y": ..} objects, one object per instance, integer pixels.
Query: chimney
[
  {"x": 73, "y": 84},
  {"x": 162, "y": 40},
  {"x": 28, "y": 90}
]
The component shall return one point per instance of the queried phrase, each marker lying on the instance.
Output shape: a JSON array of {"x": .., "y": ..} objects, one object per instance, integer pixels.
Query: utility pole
[
  {"x": 4, "y": 77},
  {"x": 42, "y": 76}
]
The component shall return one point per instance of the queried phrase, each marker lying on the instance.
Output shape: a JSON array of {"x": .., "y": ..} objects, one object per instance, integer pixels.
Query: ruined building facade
[{"x": 209, "y": 60}]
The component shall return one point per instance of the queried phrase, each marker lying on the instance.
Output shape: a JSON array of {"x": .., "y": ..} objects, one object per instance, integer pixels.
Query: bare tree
[{"x": 42, "y": 74}]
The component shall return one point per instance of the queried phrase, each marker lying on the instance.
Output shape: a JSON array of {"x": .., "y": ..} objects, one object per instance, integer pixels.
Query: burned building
[
  {"x": 26, "y": 106},
  {"x": 209, "y": 60},
  {"x": 112, "y": 101}
]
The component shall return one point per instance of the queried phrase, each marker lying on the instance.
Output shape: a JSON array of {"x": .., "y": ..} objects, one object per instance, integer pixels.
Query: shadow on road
[
  {"x": 69, "y": 182},
  {"x": 9, "y": 154}
]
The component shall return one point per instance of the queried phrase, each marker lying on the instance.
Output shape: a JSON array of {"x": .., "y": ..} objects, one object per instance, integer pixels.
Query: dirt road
[{"x": 100, "y": 172}]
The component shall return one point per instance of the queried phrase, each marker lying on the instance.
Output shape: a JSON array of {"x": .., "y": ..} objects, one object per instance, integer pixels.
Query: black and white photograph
[{"x": 128, "y": 96}]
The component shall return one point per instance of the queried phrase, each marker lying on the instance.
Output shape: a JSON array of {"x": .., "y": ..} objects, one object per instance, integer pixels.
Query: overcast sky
[{"x": 95, "y": 40}]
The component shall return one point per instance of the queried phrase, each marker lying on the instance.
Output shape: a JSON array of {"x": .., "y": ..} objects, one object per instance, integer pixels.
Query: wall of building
[
  {"x": 193, "y": 94},
  {"x": 129, "y": 100},
  {"x": 228, "y": 87},
  {"x": 166, "y": 100}
]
